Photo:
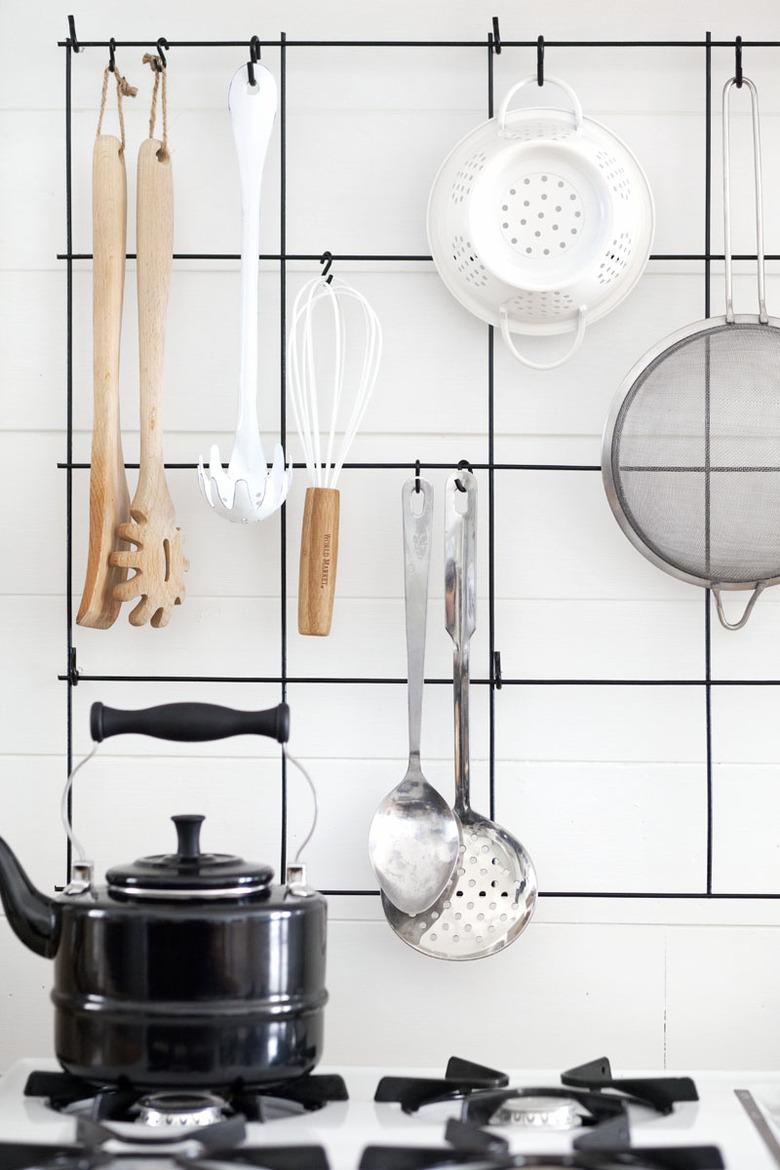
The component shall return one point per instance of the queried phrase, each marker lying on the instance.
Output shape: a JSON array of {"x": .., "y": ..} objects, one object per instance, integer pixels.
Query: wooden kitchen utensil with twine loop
[
  {"x": 109, "y": 499},
  {"x": 158, "y": 557},
  {"x": 351, "y": 379}
]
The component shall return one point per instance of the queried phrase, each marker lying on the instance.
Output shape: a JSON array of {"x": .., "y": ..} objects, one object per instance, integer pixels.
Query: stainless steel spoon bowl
[{"x": 414, "y": 840}]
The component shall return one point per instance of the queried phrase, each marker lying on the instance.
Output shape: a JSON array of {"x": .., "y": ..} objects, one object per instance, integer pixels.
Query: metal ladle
[
  {"x": 492, "y": 894},
  {"x": 414, "y": 837}
]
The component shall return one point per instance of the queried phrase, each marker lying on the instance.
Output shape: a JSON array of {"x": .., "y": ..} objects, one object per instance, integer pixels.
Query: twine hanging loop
[
  {"x": 123, "y": 89},
  {"x": 160, "y": 72}
]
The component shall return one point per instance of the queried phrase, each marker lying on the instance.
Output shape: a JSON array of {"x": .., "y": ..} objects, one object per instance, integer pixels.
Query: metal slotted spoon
[{"x": 492, "y": 895}]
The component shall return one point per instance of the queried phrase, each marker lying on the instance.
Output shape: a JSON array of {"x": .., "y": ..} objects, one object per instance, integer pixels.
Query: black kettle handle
[{"x": 189, "y": 722}]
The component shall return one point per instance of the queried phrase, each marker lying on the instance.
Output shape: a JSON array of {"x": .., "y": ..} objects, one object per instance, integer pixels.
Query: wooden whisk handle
[{"x": 319, "y": 558}]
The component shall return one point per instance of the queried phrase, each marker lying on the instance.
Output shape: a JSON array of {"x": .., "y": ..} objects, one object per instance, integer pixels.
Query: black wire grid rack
[{"x": 489, "y": 47}]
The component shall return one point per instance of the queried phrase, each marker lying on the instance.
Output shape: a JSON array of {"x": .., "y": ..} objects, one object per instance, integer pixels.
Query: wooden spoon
[
  {"x": 109, "y": 499},
  {"x": 158, "y": 557}
]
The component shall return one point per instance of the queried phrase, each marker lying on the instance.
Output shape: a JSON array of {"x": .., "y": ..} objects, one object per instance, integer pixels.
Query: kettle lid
[{"x": 188, "y": 873}]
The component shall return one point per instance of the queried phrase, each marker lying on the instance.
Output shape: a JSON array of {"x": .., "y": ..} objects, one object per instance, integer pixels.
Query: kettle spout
[{"x": 34, "y": 918}]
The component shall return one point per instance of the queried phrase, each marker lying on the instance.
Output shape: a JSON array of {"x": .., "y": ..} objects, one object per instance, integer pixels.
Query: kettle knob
[{"x": 188, "y": 832}]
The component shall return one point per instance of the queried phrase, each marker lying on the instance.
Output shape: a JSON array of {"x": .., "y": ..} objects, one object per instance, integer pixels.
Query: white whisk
[{"x": 342, "y": 386}]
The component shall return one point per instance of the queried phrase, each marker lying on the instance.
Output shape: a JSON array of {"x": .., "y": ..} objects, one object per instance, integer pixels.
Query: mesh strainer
[
  {"x": 540, "y": 221},
  {"x": 691, "y": 456}
]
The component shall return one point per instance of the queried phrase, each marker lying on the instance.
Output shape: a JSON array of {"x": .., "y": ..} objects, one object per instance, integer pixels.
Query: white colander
[{"x": 540, "y": 221}]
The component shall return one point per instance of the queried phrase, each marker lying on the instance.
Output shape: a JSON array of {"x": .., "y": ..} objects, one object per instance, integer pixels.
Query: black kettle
[{"x": 185, "y": 969}]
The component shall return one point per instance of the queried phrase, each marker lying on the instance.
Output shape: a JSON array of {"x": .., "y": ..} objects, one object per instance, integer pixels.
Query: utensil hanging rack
[{"x": 490, "y": 46}]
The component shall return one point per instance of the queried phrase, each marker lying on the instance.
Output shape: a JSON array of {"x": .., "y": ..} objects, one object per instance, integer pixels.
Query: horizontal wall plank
[
  {"x": 547, "y": 975},
  {"x": 708, "y": 969}
]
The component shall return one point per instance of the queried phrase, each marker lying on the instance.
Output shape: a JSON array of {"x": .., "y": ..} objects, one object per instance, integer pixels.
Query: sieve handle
[
  {"x": 559, "y": 361},
  {"x": 754, "y": 596},
  {"x": 576, "y": 108},
  {"x": 762, "y": 313}
]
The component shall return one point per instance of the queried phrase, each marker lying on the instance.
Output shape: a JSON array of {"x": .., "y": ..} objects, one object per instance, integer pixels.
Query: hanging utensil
[
  {"x": 248, "y": 491},
  {"x": 109, "y": 499},
  {"x": 348, "y": 394},
  {"x": 540, "y": 222},
  {"x": 414, "y": 837},
  {"x": 691, "y": 451},
  {"x": 158, "y": 557},
  {"x": 492, "y": 895}
]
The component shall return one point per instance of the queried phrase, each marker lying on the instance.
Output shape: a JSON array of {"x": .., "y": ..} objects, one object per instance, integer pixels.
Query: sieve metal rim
[{"x": 706, "y": 326}]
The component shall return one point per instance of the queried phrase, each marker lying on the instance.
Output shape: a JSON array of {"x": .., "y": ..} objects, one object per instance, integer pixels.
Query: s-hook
[
  {"x": 327, "y": 259},
  {"x": 162, "y": 43},
  {"x": 738, "y": 62},
  {"x": 496, "y": 36},
  {"x": 540, "y": 61},
  {"x": 74, "y": 40},
  {"x": 463, "y": 465},
  {"x": 112, "y": 55},
  {"x": 417, "y": 475},
  {"x": 254, "y": 57}
]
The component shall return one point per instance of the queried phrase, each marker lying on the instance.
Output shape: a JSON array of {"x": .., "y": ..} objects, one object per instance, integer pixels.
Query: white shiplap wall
[{"x": 605, "y": 785}]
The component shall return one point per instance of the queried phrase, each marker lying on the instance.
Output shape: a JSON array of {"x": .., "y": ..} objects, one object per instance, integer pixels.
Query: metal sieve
[{"x": 691, "y": 453}]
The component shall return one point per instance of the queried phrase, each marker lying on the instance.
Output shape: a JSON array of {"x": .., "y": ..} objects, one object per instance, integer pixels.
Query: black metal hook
[
  {"x": 162, "y": 44},
  {"x": 497, "y": 679},
  {"x": 254, "y": 57},
  {"x": 540, "y": 61},
  {"x": 496, "y": 36},
  {"x": 738, "y": 61},
  {"x": 463, "y": 465},
  {"x": 327, "y": 259},
  {"x": 417, "y": 475},
  {"x": 112, "y": 55},
  {"x": 74, "y": 40}
]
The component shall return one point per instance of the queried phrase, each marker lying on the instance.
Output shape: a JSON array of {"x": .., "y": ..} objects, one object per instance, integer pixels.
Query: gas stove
[{"x": 465, "y": 1115}]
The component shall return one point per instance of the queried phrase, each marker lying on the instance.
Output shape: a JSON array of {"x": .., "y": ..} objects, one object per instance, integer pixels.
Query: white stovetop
[{"x": 345, "y": 1128}]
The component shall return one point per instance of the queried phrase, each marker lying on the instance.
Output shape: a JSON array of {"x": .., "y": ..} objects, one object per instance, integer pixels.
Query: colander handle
[
  {"x": 567, "y": 89},
  {"x": 559, "y": 361}
]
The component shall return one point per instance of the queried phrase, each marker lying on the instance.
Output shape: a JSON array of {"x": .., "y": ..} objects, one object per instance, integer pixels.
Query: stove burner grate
[
  {"x": 428, "y": 1158},
  {"x": 660, "y": 1093},
  {"x": 463, "y": 1079},
  {"x": 265, "y": 1102},
  {"x": 24, "y": 1156}
]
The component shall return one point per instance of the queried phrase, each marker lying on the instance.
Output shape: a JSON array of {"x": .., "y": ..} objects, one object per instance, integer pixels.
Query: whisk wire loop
[{"x": 325, "y": 460}]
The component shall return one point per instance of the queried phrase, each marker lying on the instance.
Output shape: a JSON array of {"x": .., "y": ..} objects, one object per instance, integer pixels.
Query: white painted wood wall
[{"x": 606, "y": 786}]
